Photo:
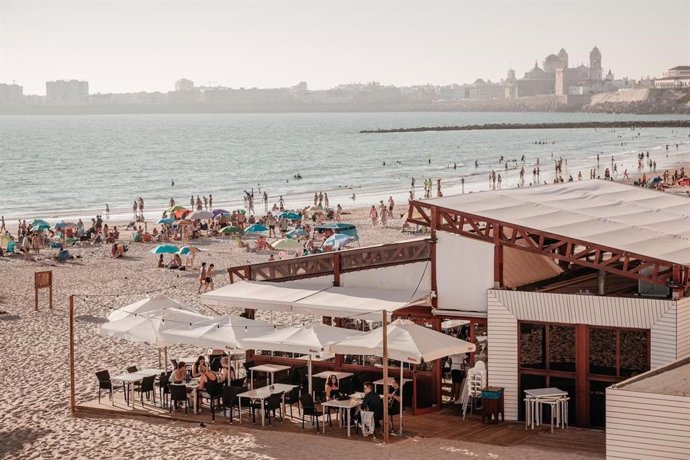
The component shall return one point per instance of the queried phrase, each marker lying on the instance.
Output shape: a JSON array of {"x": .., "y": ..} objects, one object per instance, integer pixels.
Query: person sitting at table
[
  {"x": 224, "y": 363},
  {"x": 332, "y": 389},
  {"x": 371, "y": 402},
  {"x": 207, "y": 375},
  {"x": 179, "y": 374},
  {"x": 196, "y": 372}
]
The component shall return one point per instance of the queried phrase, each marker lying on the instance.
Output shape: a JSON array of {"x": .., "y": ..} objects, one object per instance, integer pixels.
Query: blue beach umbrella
[
  {"x": 39, "y": 222},
  {"x": 185, "y": 250},
  {"x": 290, "y": 215},
  {"x": 62, "y": 224},
  {"x": 296, "y": 233},
  {"x": 256, "y": 228},
  {"x": 166, "y": 220},
  {"x": 165, "y": 249},
  {"x": 40, "y": 226},
  {"x": 338, "y": 240}
]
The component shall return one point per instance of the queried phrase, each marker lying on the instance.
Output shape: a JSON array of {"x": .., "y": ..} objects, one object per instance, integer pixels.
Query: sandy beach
[{"x": 36, "y": 422}]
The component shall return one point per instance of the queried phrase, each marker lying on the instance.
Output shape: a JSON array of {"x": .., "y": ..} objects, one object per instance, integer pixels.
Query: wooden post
[
  {"x": 72, "y": 398},
  {"x": 385, "y": 376},
  {"x": 43, "y": 280},
  {"x": 498, "y": 257},
  {"x": 336, "y": 269}
]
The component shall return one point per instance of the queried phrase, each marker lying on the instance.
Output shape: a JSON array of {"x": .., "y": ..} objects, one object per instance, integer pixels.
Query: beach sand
[{"x": 34, "y": 401}]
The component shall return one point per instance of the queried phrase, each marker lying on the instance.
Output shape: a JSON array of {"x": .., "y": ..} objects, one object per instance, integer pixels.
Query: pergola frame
[{"x": 564, "y": 249}]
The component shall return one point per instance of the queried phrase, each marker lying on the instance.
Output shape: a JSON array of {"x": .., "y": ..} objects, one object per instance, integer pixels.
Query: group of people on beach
[{"x": 383, "y": 213}]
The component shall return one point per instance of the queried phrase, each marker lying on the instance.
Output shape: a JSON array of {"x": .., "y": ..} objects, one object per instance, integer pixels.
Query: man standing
[
  {"x": 210, "y": 201},
  {"x": 373, "y": 215},
  {"x": 141, "y": 207}
]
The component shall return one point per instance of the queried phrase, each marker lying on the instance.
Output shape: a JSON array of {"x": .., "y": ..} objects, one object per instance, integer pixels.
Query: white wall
[
  {"x": 404, "y": 277},
  {"x": 464, "y": 271},
  {"x": 683, "y": 328},
  {"x": 646, "y": 425},
  {"x": 505, "y": 308}
]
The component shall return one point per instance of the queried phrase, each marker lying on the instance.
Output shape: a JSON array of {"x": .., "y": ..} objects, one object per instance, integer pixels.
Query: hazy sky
[{"x": 130, "y": 45}]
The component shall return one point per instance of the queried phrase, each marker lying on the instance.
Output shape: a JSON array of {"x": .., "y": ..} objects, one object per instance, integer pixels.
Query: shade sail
[
  {"x": 605, "y": 213},
  {"x": 313, "y": 338},
  {"x": 146, "y": 327},
  {"x": 340, "y": 302},
  {"x": 149, "y": 304},
  {"x": 407, "y": 342},
  {"x": 222, "y": 332}
]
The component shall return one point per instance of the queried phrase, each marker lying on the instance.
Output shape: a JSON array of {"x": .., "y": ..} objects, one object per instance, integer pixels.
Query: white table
[
  {"x": 269, "y": 369},
  {"x": 390, "y": 382},
  {"x": 347, "y": 405},
  {"x": 338, "y": 375},
  {"x": 536, "y": 394},
  {"x": 262, "y": 394},
  {"x": 133, "y": 377}
]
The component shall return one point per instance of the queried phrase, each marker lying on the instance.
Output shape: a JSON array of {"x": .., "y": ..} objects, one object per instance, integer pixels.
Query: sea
[{"x": 69, "y": 166}]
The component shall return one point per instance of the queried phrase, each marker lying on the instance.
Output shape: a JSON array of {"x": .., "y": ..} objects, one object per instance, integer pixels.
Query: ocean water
[{"x": 71, "y": 165}]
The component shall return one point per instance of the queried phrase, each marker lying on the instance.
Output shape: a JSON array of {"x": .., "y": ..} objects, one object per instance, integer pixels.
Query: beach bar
[{"x": 573, "y": 286}]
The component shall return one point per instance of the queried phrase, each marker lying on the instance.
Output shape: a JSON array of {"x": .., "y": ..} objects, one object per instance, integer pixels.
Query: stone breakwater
[{"x": 569, "y": 125}]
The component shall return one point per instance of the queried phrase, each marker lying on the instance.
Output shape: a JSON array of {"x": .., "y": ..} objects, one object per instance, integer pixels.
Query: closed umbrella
[
  {"x": 310, "y": 339},
  {"x": 286, "y": 244},
  {"x": 256, "y": 228},
  {"x": 200, "y": 215},
  {"x": 407, "y": 343},
  {"x": 164, "y": 249}
]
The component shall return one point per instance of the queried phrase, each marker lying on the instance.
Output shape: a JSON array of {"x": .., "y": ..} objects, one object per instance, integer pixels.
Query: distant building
[
  {"x": 675, "y": 77},
  {"x": 67, "y": 92},
  {"x": 184, "y": 85},
  {"x": 11, "y": 94},
  {"x": 535, "y": 82}
]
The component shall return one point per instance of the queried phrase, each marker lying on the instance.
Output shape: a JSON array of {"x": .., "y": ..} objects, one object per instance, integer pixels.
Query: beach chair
[
  {"x": 292, "y": 397},
  {"x": 178, "y": 394},
  {"x": 230, "y": 400},
  {"x": 309, "y": 409},
  {"x": 104, "y": 383},
  {"x": 214, "y": 394},
  {"x": 147, "y": 386}
]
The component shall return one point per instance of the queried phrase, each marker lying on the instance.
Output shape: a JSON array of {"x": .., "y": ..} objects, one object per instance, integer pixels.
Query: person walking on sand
[
  {"x": 439, "y": 193},
  {"x": 191, "y": 202},
  {"x": 316, "y": 198},
  {"x": 141, "y": 207},
  {"x": 462, "y": 184},
  {"x": 134, "y": 209},
  {"x": 202, "y": 277},
  {"x": 107, "y": 213},
  {"x": 373, "y": 215},
  {"x": 210, "y": 201},
  {"x": 391, "y": 205},
  {"x": 205, "y": 202},
  {"x": 281, "y": 201},
  {"x": 338, "y": 210},
  {"x": 325, "y": 199},
  {"x": 208, "y": 281},
  {"x": 2, "y": 226}
]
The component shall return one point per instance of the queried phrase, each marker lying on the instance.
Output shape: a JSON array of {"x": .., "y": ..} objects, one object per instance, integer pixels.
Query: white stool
[
  {"x": 554, "y": 406},
  {"x": 564, "y": 411},
  {"x": 530, "y": 404}
]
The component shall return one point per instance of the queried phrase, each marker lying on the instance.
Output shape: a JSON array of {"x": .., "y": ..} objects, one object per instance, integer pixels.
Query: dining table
[
  {"x": 261, "y": 394},
  {"x": 270, "y": 369},
  {"x": 343, "y": 405},
  {"x": 130, "y": 378}
]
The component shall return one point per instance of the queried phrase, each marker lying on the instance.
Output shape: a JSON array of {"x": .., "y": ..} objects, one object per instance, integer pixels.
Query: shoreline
[{"x": 568, "y": 125}]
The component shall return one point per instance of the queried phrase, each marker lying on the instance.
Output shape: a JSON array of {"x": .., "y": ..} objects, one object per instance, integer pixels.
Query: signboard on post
[{"x": 43, "y": 280}]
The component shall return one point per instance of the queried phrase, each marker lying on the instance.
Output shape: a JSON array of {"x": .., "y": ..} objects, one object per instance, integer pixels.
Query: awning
[{"x": 339, "y": 302}]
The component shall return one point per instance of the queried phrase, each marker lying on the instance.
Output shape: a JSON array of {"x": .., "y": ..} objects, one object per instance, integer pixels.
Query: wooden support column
[
  {"x": 384, "y": 331},
  {"x": 72, "y": 397},
  {"x": 336, "y": 269},
  {"x": 434, "y": 242},
  {"x": 498, "y": 257},
  {"x": 582, "y": 373}
]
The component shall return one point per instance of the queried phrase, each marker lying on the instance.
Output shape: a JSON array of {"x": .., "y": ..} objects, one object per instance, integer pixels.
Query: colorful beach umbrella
[
  {"x": 338, "y": 240},
  {"x": 179, "y": 214},
  {"x": 166, "y": 220},
  {"x": 62, "y": 224},
  {"x": 230, "y": 229},
  {"x": 256, "y": 228},
  {"x": 164, "y": 249},
  {"x": 217, "y": 212},
  {"x": 38, "y": 222},
  {"x": 287, "y": 244},
  {"x": 177, "y": 208},
  {"x": 40, "y": 227},
  {"x": 186, "y": 250},
  {"x": 241, "y": 211}
]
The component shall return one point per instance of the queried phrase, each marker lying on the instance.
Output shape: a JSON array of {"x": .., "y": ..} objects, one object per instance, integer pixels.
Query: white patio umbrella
[
  {"x": 145, "y": 327},
  {"x": 156, "y": 302},
  {"x": 200, "y": 215},
  {"x": 310, "y": 339},
  {"x": 222, "y": 332},
  {"x": 407, "y": 343}
]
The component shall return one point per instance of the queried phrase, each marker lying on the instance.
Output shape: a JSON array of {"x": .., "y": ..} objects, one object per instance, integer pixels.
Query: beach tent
[
  {"x": 146, "y": 327},
  {"x": 339, "y": 227},
  {"x": 149, "y": 304},
  {"x": 338, "y": 240},
  {"x": 407, "y": 343},
  {"x": 310, "y": 339}
]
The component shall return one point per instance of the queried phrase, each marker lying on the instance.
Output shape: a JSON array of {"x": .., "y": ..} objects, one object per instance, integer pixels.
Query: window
[
  {"x": 561, "y": 348},
  {"x": 618, "y": 353},
  {"x": 602, "y": 351},
  {"x": 533, "y": 346},
  {"x": 634, "y": 352}
]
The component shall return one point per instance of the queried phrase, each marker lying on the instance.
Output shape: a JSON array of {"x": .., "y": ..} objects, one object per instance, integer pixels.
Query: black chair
[
  {"x": 213, "y": 392},
  {"x": 238, "y": 382},
  {"x": 309, "y": 408},
  {"x": 230, "y": 399},
  {"x": 174, "y": 363},
  {"x": 272, "y": 403},
  {"x": 163, "y": 389},
  {"x": 147, "y": 386},
  {"x": 291, "y": 398},
  {"x": 104, "y": 383},
  {"x": 131, "y": 369},
  {"x": 178, "y": 393}
]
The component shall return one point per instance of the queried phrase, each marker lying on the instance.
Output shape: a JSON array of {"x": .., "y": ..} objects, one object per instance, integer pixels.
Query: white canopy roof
[
  {"x": 341, "y": 302},
  {"x": 149, "y": 304},
  {"x": 638, "y": 220},
  {"x": 146, "y": 327},
  {"x": 407, "y": 342},
  {"x": 222, "y": 332}
]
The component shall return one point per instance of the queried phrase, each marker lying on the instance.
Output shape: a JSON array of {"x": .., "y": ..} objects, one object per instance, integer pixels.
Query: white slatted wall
[
  {"x": 683, "y": 327},
  {"x": 646, "y": 425},
  {"x": 506, "y": 307}
]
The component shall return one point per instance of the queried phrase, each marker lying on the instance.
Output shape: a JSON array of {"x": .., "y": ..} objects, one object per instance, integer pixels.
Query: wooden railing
[{"x": 335, "y": 263}]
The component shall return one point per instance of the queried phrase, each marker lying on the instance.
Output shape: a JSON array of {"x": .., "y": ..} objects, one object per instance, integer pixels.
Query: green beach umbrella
[
  {"x": 230, "y": 229},
  {"x": 287, "y": 244},
  {"x": 164, "y": 249}
]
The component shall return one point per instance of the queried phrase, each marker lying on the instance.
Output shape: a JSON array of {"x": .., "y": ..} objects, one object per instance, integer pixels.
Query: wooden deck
[{"x": 445, "y": 424}]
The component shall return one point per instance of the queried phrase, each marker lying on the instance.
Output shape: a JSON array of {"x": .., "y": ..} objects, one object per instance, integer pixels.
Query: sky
[{"x": 146, "y": 45}]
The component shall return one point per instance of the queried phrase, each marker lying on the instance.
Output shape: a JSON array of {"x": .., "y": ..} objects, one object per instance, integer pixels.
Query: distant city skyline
[{"x": 129, "y": 46}]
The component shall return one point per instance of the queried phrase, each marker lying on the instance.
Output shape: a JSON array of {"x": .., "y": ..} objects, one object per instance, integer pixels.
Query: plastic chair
[
  {"x": 230, "y": 400},
  {"x": 178, "y": 393},
  {"x": 309, "y": 409}
]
